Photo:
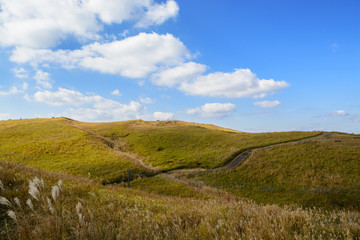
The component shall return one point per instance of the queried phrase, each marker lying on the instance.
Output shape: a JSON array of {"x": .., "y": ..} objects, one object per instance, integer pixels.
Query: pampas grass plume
[
  {"x": 5, "y": 202},
  {"x": 55, "y": 192},
  {"x": 12, "y": 214},
  {"x": 29, "y": 203}
]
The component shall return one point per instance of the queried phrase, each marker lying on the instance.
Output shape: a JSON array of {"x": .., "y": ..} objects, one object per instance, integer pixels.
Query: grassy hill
[
  {"x": 79, "y": 208},
  {"x": 324, "y": 173},
  {"x": 51, "y": 145},
  {"x": 84, "y": 155},
  {"x": 171, "y": 145}
]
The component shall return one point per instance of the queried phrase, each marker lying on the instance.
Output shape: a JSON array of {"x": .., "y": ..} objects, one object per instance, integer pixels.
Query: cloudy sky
[{"x": 250, "y": 65}]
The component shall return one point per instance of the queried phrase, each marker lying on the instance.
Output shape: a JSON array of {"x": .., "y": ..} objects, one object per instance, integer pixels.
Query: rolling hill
[{"x": 286, "y": 188}]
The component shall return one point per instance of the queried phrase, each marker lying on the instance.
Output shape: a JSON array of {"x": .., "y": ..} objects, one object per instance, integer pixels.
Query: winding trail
[
  {"x": 236, "y": 162},
  {"x": 240, "y": 159},
  {"x": 114, "y": 146}
]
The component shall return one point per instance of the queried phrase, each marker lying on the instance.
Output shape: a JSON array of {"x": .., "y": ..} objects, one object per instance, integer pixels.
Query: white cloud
[
  {"x": 179, "y": 74},
  {"x": 14, "y": 90},
  {"x": 90, "y": 107},
  {"x": 43, "y": 79},
  {"x": 20, "y": 72},
  {"x": 213, "y": 110},
  {"x": 64, "y": 97},
  {"x": 5, "y": 116},
  {"x": 240, "y": 84},
  {"x": 157, "y": 14},
  {"x": 147, "y": 100},
  {"x": 343, "y": 113},
  {"x": 163, "y": 115},
  {"x": 107, "y": 110},
  {"x": 45, "y": 23},
  {"x": 116, "y": 92},
  {"x": 268, "y": 104},
  {"x": 340, "y": 113},
  {"x": 133, "y": 57}
]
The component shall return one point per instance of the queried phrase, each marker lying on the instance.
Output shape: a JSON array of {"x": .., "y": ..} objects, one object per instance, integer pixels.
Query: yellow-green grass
[
  {"x": 325, "y": 173},
  {"x": 171, "y": 145},
  {"x": 84, "y": 209},
  {"x": 164, "y": 186},
  {"x": 51, "y": 145}
]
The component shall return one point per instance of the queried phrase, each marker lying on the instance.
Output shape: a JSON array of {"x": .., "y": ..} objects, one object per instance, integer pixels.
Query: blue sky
[{"x": 254, "y": 65}]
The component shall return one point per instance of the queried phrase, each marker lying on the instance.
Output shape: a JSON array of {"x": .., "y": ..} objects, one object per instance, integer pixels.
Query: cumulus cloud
[
  {"x": 147, "y": 100},
  {"x": 157, "y": 14},
  {"x": 116, "y": 92},
  {"x": 340, "y": 113},
  {"x": 163, "y": 115},
  {"x": 213, "y": 110},
  {"x": 14, "y": 90},
  {"x": 43, "y": 79},
  {"x": 20, "y": 72},
  {"x": 64, "y": 97},
  {"x": 239, "y": 84},
  {"x": 343, "y": 113},
  {"x": 179, "y": 74},
  {"x": 107, "y": 111},
  {"x": 268, "y": 104},
  {"x": 5, "y": 116},
  {"x": 45, "y": 23},
  {"x": 133, "y": 57},
  {"x": 89, "y": 107}
]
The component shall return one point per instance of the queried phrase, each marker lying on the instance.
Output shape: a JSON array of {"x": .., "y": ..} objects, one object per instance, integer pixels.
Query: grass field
[
  {"x": 85, "y": 155},
  {"x": 292, "y": 174},
  {"x": 54, "y": 146},
  {"x": 171, "y": 145},
  {"x": 79, "y": 208}
]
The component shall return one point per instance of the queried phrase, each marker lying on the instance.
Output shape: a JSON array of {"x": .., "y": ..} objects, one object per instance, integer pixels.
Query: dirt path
[
  {"x": 114, "y": 146},
  {"x": 240, "y": 159}
]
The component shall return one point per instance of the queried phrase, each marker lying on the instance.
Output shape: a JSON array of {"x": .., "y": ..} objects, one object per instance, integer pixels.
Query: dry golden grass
[{"x": 87, "y": 210}]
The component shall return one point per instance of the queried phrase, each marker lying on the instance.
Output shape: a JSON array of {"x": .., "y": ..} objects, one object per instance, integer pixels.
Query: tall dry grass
[{"x": 77, "y": 209}]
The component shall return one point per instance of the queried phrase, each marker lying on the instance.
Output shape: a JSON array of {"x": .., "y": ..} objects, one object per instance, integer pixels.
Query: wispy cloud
[
  {"x": 343, "y": 113},
  {"x": 213, "y": 110},
  {"x": 268, "y": 104},
  {"x": 163, "y": 115}
]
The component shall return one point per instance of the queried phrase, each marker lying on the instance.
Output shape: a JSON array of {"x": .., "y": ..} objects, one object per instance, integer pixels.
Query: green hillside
[
  {"x": 84, "y": 209},
  {"x": 176, "y": 205},
  {"x": 325, "y": 173},
  {"x": 172, "y": 145},
  {"x": 51, "y": 145}
]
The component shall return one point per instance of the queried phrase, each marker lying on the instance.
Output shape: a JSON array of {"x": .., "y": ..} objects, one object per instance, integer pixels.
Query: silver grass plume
[
  {"x": 79, "y": 210},
  {"x": 17, "y": 201},
  {"x": 12, "y": 214},
  {"x": 4, "y": 201},
  {"x": 29, "y": 203},
  {"x": 55, "y": 192},
  {"x": 60, "y": 184},
  {"x": 52, "y": 210},
  {"x": 34, "y": 192},
  {"x": 1, "y": 186}
]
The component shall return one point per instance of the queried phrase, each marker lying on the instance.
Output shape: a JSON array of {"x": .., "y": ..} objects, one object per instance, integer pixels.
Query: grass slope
[
  {"x": 287, "y": 174},
  {"x": 54, "y": 146},
  {"x": 83, "y": 209},
  {"x": 173, "y": 145}
]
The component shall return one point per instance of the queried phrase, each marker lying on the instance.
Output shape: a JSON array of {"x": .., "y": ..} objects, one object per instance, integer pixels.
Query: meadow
[
  {"x": 322, "y": 173},
  {"x": 170, "y": 145},
  {"x": 64, "y": 179},
  {"x": 53, "y": 146},
  {"x": 35, "y": 204}
]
